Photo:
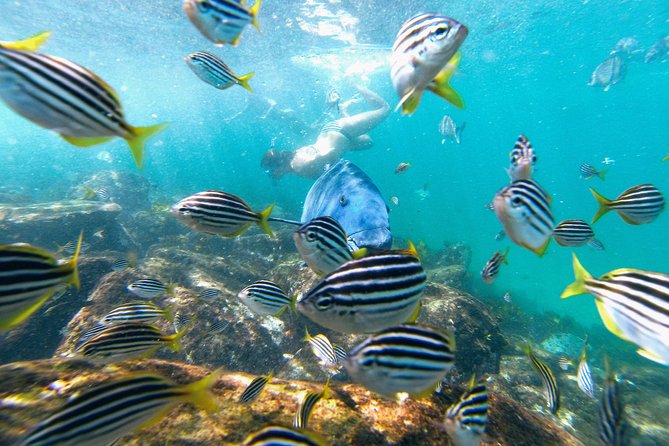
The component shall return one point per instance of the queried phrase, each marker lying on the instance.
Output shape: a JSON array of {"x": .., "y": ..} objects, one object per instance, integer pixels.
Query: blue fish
[{"x": 347, "y": 194}]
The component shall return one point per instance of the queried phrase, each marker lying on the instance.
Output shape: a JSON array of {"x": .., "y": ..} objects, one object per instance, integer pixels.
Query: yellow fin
[
  {"x": 244, "y": 81},
  {"x": 71, "y": 265},
  {"x": 416, "y": 312},
  {"x": 238, "y": 232},
  {"x": 602, "y": 174},
  {"x": 609, "y": 323},
  {"x": 652, "y": 356},
  {"x": 627, "y": 220},
  {"x": 30, "y": 44},
  {"x": 441, "y": 86},
  {"x": 138, "y": 138},
  {"x": 281, "y": 311},
  {"x": 666, "y": 158},
  {"x": 410, "y": 101},
  {"x": 506, "y": 262},
  {"x": 359, "y": 253},
  {"x": 175, "y": 338},
  {"x": 86, "y": 142},
  {"x": 541, "y": 250},
  {"x": 15, "y": 319},
  {"x": 264, "y": 215},
  {"x": 581, "y": 275},
  {"x": 199, "y": 392},
  {"x": 168, "y": 312},
  {"x": 254, "y": 13},
  {"x": 603, "y": 206}
]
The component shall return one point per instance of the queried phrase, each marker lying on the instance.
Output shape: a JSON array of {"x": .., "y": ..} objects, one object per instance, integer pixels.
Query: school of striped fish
[{"x": 373, "y": 293}]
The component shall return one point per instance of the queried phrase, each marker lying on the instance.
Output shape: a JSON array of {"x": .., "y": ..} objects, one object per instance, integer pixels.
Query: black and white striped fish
[
  {"x": 216, "y": 212},
  {"x": 424, "y": 57},
  {"x": 210, "y": 294},
  {"x": 565, "y": 362},
  {"x": 548, "y": 378},
  {"x": 265, "y": 297},
  {"x": 102, "y": 194},
  {"x": 491, "y": 268},
  {"x": 612, "y": 426},
  {"x": 149, "y": 288},
  {"x": 368, "y": 294},
  {"x": 285, "y": 436},
  {"x": 120, "y": 342},
  {"x": 637, "y": 205},
  {"x": 254, "y": 389},
  {"x": 406, "y": 358},
  {"x": 323, "y": 245},
  {"x": 71, "y": 246},
  {"x": 323, "y": 349},
  {"x": 217, "y": 327},
  {"x": 340, "y": 353},
  {"x": 306, "y": 407},
  {"x": 142, "y": 312},
  {"x": 60, "y": 95},
  {"x": 181, "y": 319},
  {"x": 221, "y": 21},
  {"x": 576, "y": 233},
  {"x": 29, "y": 276},
  {"x": 91, "y": 332},
  {"x": 466, "y": 420},
  {"x": 583, "y": 375},
  {"x": 522, "y": 160},
  {"x": 108, "y": 411},
  {"x": 633, "y": 304},
  {"x": 524, "y": 209},
  {"x": 587, "y": 172},
  {"x": 120, "y": 264},
  {"x": 211, "y": 69}
]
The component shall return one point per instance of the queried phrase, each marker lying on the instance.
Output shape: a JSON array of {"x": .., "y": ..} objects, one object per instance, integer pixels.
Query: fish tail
[
  {"x": 441, "y": 86},
  {"x": 578, "y": 287},
  {"x": 169, "y": 312},
  {"x": 506, "y": 262},
  {"x": 30, "y": 44},
  {"x": 603, "y": 205},
  {"x": 264, "y": 215},
  {"x": 254, "y": 13},
  {"x": 175, "y": 339},
  {"x": 138, "y": 138},
  {"x": 170, "y": 289},
  {"x": 72, "y": 264},
  {"x": 602, "y": 174},
  {"x": 293, "y": 305},
  {"x": 244, "y": 81},
  {"x": 199, "y": 393},
  {"x": 326, "y": 389},
  {"x": 666, "y": 158}
]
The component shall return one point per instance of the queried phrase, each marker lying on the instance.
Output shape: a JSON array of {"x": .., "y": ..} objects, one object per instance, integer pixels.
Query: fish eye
[
  {"x": 184, "y": 211},
  {"x": 311, "y": 236},
  {"x": 342, "y": 200},
  {"x": 441, "y": 32},
  {"x": 324, "y": 302},
  {"x": 203, "y": 6},
  {"x": 534, "y": 159},
  {"x": 515, "y": 157},
  {"x": 516, "y": 201}
]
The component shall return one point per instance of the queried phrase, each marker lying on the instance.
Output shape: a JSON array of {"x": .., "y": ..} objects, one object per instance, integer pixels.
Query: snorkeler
[{"x": 335, "y": 138}]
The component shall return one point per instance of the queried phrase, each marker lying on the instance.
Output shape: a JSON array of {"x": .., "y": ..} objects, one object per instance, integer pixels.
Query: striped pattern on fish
[
  {"x": 637, "y": 205},
  {"x": 550, "y": 384}
]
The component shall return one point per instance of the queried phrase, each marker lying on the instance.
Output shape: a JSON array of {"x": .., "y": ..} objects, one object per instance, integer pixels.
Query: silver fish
[
  {"x": 211, "y": 69},
  {"x": 424, "y": 56},
  {"x": 449, "y": 130},
  {"x": 221, "y": 21},
  {"x": 610, "y": 72},
  {"x": 637, "y": 205}
]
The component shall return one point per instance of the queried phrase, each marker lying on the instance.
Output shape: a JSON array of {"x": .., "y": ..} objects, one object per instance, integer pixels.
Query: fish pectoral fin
[
  {"x": 410, "y": 101},
  {"x": 608, "y": 320},
  {"x": 86, "y": 142},
  {"x": 441, "y": 86},
  {"x": 414, "y": 315}
]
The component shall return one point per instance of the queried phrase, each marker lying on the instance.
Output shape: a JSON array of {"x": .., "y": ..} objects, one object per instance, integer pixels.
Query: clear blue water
[{"x": 524, "y": 69}]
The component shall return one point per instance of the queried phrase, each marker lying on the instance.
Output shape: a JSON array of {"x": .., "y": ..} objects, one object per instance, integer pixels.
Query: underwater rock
[
  {"x": 128, "y": 188},
  {"x": 563, "y": 344},
  {"x": 48, "y": 224},
  {"x": 350, "y": 416}
]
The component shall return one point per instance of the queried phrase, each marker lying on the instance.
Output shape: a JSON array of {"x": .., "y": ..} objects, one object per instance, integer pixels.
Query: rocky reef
[{"x": 351, "y": 415}]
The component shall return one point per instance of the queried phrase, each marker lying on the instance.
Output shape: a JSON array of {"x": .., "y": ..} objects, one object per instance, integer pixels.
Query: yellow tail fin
[
  {"x": 603, "y": 206},
  {"x": 666, "y": 158},
  {"x": 506, "y": 262},
  {"x": 602, "y": 174},
  {"x": 254, "y": 13},
  {"x": 29, "y": 44},
  {"x": 578, "y": 287},
  {"x": 138, "y": 138},
  {"x": 175, "y": 338},
  {"x": 264, "y": 215},
  {"x": 244, "y": 81},
  {"x": 441, "y": 86},
  {"x": 199, "y": 393},
  {"x": 72, "y": 264}
]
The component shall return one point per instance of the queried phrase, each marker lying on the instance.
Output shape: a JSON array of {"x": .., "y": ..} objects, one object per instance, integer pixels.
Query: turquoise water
[{"x": 524, "y": 69}]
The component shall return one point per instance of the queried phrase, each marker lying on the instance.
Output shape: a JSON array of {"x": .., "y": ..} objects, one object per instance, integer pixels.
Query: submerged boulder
[{"x": 350, "y": 416}]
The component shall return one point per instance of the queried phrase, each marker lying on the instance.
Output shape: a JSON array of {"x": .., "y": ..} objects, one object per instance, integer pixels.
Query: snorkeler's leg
[
  {"x": 356, "y": 125},
  {"x": 361, "y": 142}
]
